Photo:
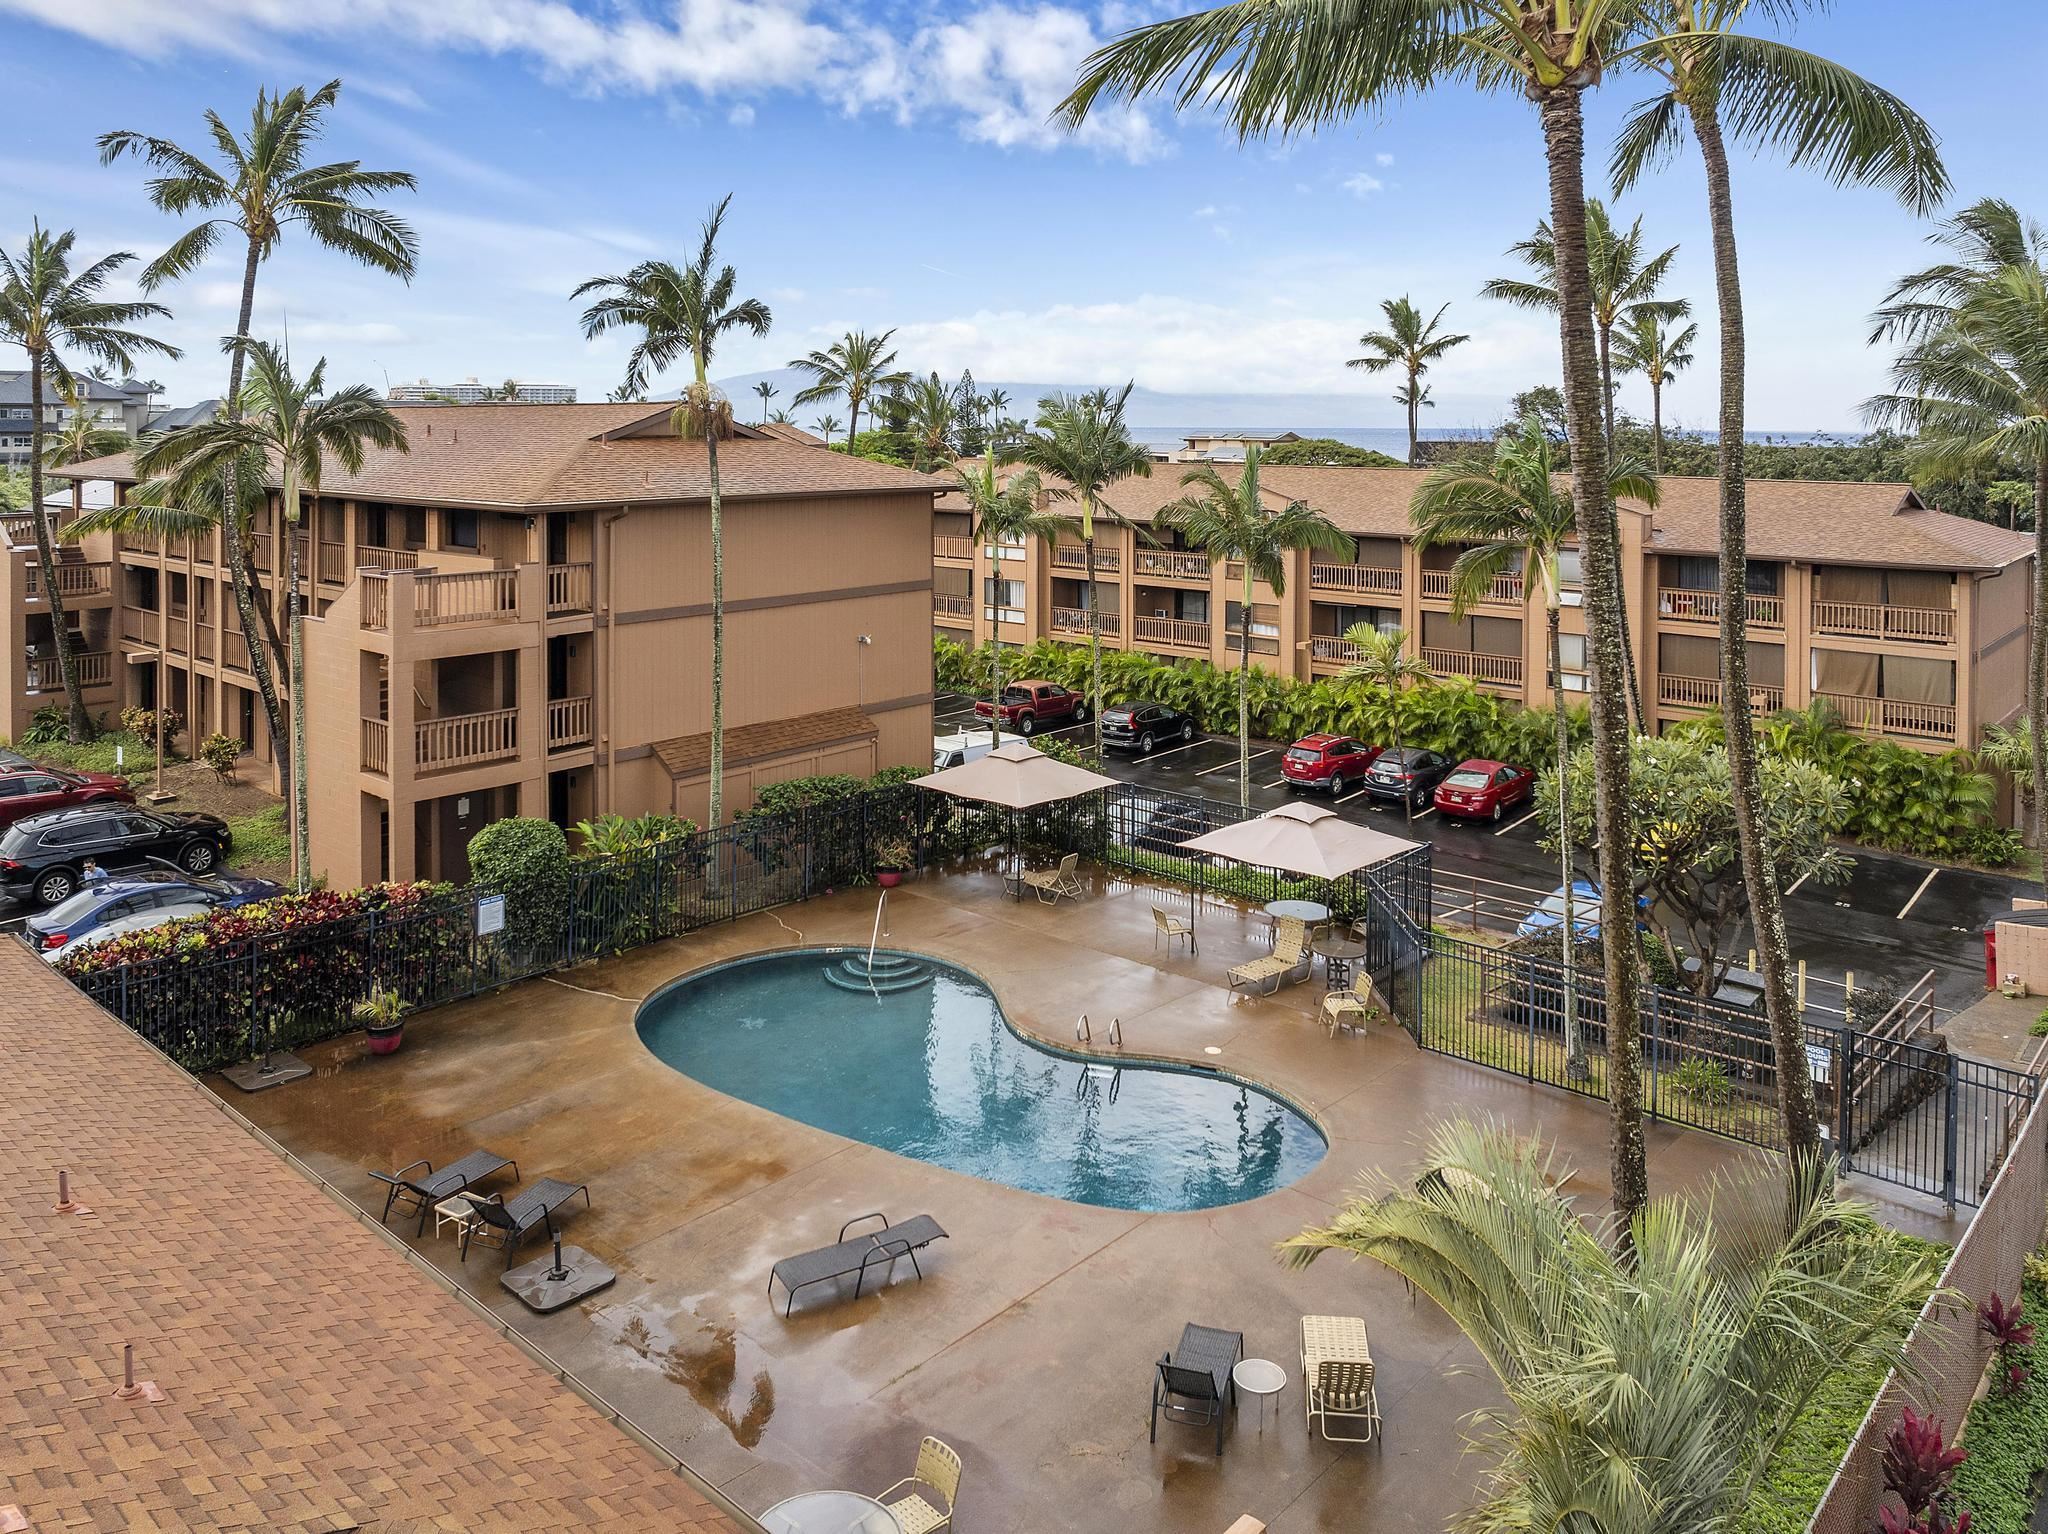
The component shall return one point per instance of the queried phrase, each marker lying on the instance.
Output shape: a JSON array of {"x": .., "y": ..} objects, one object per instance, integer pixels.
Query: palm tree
[
  {"x": 261, "y": 187},
  {"x": 855, "y": 365},
  {"x": 825, "y": 425},
  {"x": 1291, "y": 69},
  {"x": 682, "y": 316},
  {"x": 767, "y": 391},
  {"x": 781, "y": 418},
  {"x": 1647, "y": 344},
  {"x": 82, "y": 435},
  {"x": 1233, "y": 523},
  {"x": 295, "y": 426},
  {"x": 995, "y": 402},
  {"x": 1412, "y": 346},
  {"x": 1084, "y": 441},
  {"x": 1383, "y": 661},
  {"x": 933, "y": 408},
  {"x": 46, "y": 310},
  {"x": 1654, "y": 1374},
  {"x": 1004, "y": 515},
  {"x": 1508, "y": 512},
  {"x": 1816, "y": 113}
]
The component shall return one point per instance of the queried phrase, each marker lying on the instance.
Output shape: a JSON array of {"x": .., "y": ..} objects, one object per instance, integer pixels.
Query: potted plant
[
  {"x": 893, "y": 858},
  {"x": 382, "y": 1014}
]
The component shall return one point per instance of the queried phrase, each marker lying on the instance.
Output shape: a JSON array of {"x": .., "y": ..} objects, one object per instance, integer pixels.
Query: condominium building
[
  {"x": 120, "y": 407},
  {"x": 514, "y": 618},
  {"x": 471, "y": 392},
  {"x": 1227, "y": 446},
  {"x": 1912, "y": 623}
]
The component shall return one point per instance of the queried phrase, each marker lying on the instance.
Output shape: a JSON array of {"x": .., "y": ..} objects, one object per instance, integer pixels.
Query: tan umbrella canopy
[
  {"x": 1015, "y": 776},
  {"x": 1308, "y": 839}
]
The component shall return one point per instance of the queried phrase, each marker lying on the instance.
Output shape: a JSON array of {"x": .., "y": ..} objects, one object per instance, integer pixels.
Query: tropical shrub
[
  {"x": 46, "y": 726},
  {"x": 527, "y": 861},
  {"x": 609, "y": 835},
  {"x": 1704, "y": 1081},
  {"x": 2008, "y": 1431},
  {"x": 1919, "y": 1466},
  {"x": 2009, "y": 1331},
  {"x": 1328, "y": 450},
  {"x": 220, "y": 752},
  {"x": 141, "y": 722}
]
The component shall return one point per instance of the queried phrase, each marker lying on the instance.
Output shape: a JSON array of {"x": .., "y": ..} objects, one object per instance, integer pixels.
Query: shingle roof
[
  {"x": 314, "y": 1378},
  {"x": 515, "y": 455},
  {"x": 14, "y": 389},
  {"x": 789, "y": 433},
  {"x": 687, "y": 755}
]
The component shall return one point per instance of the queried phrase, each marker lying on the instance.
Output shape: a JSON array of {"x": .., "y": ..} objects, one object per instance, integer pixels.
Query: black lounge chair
[
  {"x": 511, "y": 1221},
  {"x": 1193, "y": 1383},
  {"x": 429, "y": 1187},
  {"x": 878, "y": 1248}
]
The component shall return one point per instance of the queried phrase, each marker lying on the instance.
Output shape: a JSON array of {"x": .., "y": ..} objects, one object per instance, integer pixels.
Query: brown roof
[
  {"x": 315, "y": 1379},
  {"x": 789, "y": 433},
  {"x": 516, "y": 456},
  {"x": 688, "y": 755}
]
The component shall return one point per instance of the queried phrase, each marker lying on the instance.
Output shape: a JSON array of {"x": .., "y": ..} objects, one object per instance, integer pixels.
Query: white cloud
[
  {"x": 1363, "y": 184},
  {"x": 1383, "y": 159},
  {"x": 741, "y": 116},
  {"x": 1207, "y": 210}
]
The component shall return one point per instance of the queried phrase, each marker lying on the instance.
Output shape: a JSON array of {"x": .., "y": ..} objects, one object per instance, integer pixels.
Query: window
[
  {"x": 1570, "y": 577},
  {"x": 1003, "y": 600},
  {"x": 1571, "y": 654},
  {"x": 459, "y": 529},
  {"x": 11, "y": 787}
]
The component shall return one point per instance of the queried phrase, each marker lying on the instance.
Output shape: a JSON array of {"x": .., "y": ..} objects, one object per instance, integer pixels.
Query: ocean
[{"x": 1393, "y": 440}]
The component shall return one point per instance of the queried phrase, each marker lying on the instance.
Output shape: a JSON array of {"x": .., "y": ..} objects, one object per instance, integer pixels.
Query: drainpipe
[{"x": 604, "y": 734}]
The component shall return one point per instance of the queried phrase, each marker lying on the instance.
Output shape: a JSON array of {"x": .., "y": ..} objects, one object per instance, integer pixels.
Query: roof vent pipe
[
  {"x": 133, "y": 1389},
  {"x": 66, "y": 1204}
]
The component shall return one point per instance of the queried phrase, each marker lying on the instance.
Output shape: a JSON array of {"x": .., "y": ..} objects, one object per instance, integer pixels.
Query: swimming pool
[{"x": 930, "y": 1069}]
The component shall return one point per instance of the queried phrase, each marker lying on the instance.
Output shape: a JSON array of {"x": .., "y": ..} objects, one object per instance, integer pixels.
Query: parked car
[
  {"x": 959, "y": 750},
  {"x": 1145, "y": 726},
  {"x": 1029, "y": 707},
  {"x": 42, "y": 858},
  {"x": 133, "y": 901},
  {"x": 1334, "y": 762},
  {"x": 1483, "y": 790},
  {"x": 13, "y": 761},
  {"x": 1548, "y": 915},
  {"x": 35, "y": 790},
  {"x": 1409, "y": 773}
]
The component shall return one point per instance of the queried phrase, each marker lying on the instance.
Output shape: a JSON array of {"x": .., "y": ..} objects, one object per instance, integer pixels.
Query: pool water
[{"x": 930, "y": 1069}]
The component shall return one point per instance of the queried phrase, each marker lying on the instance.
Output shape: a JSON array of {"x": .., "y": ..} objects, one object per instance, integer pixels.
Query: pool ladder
[{"x": 1083, "y": 1034}]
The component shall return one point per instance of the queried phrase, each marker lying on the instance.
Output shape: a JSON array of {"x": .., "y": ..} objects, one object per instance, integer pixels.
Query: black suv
[
  {"x": 1410, "y": 773},
  {"x": 42, "y": 858},
  {"x": 1143, "y": 726}
]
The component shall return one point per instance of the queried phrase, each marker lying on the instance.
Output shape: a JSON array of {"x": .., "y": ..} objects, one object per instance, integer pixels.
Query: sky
[{"x": 892, "y": 166}]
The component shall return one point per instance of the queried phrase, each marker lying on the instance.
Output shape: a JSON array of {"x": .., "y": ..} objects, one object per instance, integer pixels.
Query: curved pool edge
[{"x": 1029, "y": 1036}]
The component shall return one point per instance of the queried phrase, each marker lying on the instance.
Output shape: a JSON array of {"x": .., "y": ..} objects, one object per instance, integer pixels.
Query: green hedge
[
  {"x": 527, "y": 861},
  {"x": 2007, "y": 1433}
]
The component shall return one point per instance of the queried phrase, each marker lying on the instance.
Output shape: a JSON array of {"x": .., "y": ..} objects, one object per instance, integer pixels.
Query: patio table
[
  {"x": 1260, "y": 1378},
  {"x": 830, "y": 1512},
  {"x": 1310, "y": 913},
  {"x": 1340, "y": 951}
]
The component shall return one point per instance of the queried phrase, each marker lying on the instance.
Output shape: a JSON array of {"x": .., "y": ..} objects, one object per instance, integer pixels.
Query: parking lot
[{"x": 1896, "y": 918}]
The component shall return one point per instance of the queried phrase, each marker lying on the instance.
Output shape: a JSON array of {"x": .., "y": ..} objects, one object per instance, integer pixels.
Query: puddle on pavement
[{"x": 706, "y": 1364}]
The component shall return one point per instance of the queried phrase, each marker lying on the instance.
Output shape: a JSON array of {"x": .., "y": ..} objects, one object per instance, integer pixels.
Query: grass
[
  {"x": 97, "y": 755},
  {"x": 262, "y": 839}
]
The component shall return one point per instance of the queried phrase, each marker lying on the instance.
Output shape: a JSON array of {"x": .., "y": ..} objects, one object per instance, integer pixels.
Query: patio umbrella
[
  {"x": 1015, "y": 776},
  {"x": 1308, "y": 839}
]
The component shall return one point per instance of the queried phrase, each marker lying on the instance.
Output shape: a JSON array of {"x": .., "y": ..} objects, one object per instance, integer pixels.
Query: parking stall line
[
  {"x": 1503, "y": 831},
  {"x": 1227, "y": 766},
  {"x": 1169, "y": 751},
  {"x": 1918, "y": 893},
  {"x": 1350, "y": 796}
]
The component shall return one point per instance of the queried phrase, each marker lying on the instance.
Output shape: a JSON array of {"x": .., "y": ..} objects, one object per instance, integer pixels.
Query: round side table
[{"x": 1261, "y": 1378}]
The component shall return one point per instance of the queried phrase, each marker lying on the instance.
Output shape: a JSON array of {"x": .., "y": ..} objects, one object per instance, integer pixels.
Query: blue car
[
  {"x": 131, "y": 898},
  {"x": 1549, "y": 915}
]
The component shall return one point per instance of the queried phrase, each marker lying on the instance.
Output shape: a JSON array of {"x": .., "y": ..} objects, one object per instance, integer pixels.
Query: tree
[
  {"x": 2011, "y": 751},
  {"x": 767, "y": 391},
  {"x": 1084, "y": 440},
  {"x": 781, "y": 418},
  {"x": 682, "y": 315},
  {"x": 46, "y": 310},
  {"x": 1411, "y": 345},
  {"x": 825, "y": 425},
  {"x": 1654, "y": 1373},
  {"x": 295, "y": 426},
  {"x": 1231, "y": 522},
  {"x": 2012, "y": 496},
  {"x": 1004, "y": 514},
  {"x": 1816, "y": 113},
  {"x": 1648, "y": 344},
  {"x": 1315, "y": 452},
  {"x": 855, "y": 365},
  {"x": 1383, "y": 662},
  {"x": 261, "y": 187},
  {"x": 933, "y": 409}
]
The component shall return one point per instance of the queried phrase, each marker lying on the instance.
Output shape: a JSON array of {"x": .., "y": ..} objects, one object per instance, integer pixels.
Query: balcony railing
[
  {"x": 234, "y": 650},
  {"x": 95, "y": 670},
  {"x": 460, "y": 596},
  {"x": 1074, "y": 620},
  {"x": 1505, "y": 591},
  {"x": 1074, "y": 556},
  {"x": 1890, "y": 716},
  {"x": 19, "y": 528},
  {"x": 945, "y": 605},
  {"x": 464, "y": 740},
  {"x": 1174, "y": 564},
  {"x": 138, "y": 624},
  {"x": 1371, "y": 580},
  {"x": 1705, "y": 692},
  {"x": 333, "y": 563},
  {"x": 1705, "y": 607},
  {"x": 260, "y": 552},
  {"x": 568, "y": 723},
  {"x": 952, "y": 546},
  {"x": 93, "y": 578},
  {"x": 569, "y": 588},
  {"x": 1495, "y": 670},
  {"x": 376, "y": 746},
  {"x": 371, "y": 556},
  {"x": 1334, "y": 648},
  {"x": 142, "y": 543},
  {"x": 1261, "y": 644},
  {"x": 1875, "y": 620},
  {"x": 1180, "y": 633}
]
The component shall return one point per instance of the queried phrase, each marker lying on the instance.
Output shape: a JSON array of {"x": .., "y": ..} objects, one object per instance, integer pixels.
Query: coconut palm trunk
[
  {"x": 1607, "y": 382},
  {"x": 259, "y": 628},
  {"x": 78, "y": 722},
  {"x": 1657, "y": 419},
  {"x": 1574, "y": 1049},
  {"x": 295, "y": 626},
  {"x": 1094, "y": 634},
  {"x": 995, "y": 663},
  {"x": 1414, "y": 413},
  {"x": 1766, "y": 903},
  {"x": 1564, "y": 137},
  {"x": 1244, "y": 693},
  {"x": 2037, "y": 668},
  {"x": 717, "y": 803}
]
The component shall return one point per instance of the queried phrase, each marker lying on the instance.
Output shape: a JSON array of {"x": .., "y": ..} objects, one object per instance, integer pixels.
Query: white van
[{"x": 959, "y": 750}]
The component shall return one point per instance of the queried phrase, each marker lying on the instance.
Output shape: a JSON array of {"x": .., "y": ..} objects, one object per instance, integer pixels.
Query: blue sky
[{"x": 892, "y": 167}]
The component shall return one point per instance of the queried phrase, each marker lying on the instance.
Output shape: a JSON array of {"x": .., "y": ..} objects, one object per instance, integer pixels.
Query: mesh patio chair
[
  {"x": 938, "y": 1471},
  {"x": 1290, "y": 959},
  {"x": 418, "y": 1186},
  {"x": 500, "y": 1222},
  {"x": 1052, "y": 883},
  {"x": 1169, "y": 926},
  {"x": 1193, "y": 1383},
  {"x": 1337, "y": 1376}
]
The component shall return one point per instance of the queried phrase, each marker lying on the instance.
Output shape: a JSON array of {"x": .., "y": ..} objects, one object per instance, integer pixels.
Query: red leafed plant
[
  {"x": 1919, "y": 1463},
  {"x": 2009, "y": 1332}
]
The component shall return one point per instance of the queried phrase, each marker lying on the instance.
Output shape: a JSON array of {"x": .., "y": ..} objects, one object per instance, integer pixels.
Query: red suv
[
  {"x": 37, "y": 790},
  {"x": 1327, "y": 761},
  {"x": 1483, "y": 790},
  {"x": 1029, "y": 707}
]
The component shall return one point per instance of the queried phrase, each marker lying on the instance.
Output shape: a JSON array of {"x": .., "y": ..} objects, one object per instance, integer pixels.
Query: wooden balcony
[
  {"x": 1491, "y": 670},
  {"x": 1705, "y": 692},
  {"x": 569, "y": 588},
  {"x": 1506, "y": 590},
  {"x": 1355, "y": 580},
  {"x": 952, "y": 546},
  {"x": 376, "y": 746},
  {"x": 465, "y": 740},
  {"x": 46, "y": 673},
  {"x": 18, "y": 528},
  {"x": 1686, "y": 606},
  {"x": 1890, "y": 716},
  {"x": 334, "y": 564},
  {"x": 371, "y": 556},
  {"x": 83, "y": 580},
  {"x": 1874, "y": 620},
  {"x": 1329, "y": 650},
  {"x": 1171, "y": 633},
  {"x": 569, "y": 723},
  {"x": 951, "y": 608},
  {"x": 234, "y": 649},
  {"x": 1261, "y": 644},
  {"x": 464, "y": 596},
  {"x": 1172, "y": 564},
  {"x": 1067, "y": 621},
  {"x": 1073, "y": 556}
]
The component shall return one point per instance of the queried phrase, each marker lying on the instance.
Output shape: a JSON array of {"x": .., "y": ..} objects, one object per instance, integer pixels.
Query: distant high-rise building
[{"x": 472, "y": 392}]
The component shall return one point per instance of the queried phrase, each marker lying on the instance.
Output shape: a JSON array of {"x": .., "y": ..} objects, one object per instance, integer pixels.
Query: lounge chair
[
  {"x": 878, "y": 1248},
  {"x": 1193, "y": 1383},
  {"x": 420, "y": 1187},
  {"x": 938, "y": 1469},
  {"x": 1289, "y": 960},
  {"x": 1051, "y": 883},
  {"x": 1171, "y": 927},
  {"x": 1336, "y": 1376},
  {"x": 506, "y": 1223}
]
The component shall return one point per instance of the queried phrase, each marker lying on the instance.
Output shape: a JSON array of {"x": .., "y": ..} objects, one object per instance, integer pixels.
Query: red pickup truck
[{"x": 1029, "y": 707}]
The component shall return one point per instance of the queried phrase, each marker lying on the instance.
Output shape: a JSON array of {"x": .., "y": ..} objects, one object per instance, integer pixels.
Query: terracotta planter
[{"x": 385, "y": 1041}]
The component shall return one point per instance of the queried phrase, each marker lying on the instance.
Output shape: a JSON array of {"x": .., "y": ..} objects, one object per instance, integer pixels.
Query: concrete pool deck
[{"x": 1029, "y": 1344}]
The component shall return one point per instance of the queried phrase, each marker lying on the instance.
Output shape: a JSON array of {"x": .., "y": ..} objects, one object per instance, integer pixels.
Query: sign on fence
[{"x": 490, "y": 914}]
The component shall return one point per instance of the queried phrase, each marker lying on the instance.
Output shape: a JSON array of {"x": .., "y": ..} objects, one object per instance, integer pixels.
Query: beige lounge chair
[
  {"x": 1051, "y": 883},
  {"x": 1290, "y": 959},
  {"x": 1336, "y": 1376},
  {"x": 1171, "y": 927},
  {"x": 938, "y": 1469}
]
